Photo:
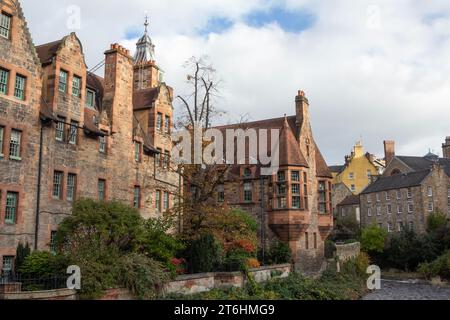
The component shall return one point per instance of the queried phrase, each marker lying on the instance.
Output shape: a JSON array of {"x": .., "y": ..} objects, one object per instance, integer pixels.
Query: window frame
[
  {"x": 166, "y": 124},
  {"x": 88, "y": 100},
  {"x": 158, "y": 201},
  {"x": 137, "y": 197},
  {"x": 159, "y": 121},
  {"x": 137, "y": 151},
  {"x": 11, "y": 216},
  {"x": 73, "y": 132},
  {"x": 15, "y": 146},
  {"x": 248, "y": 192},
  {"x": 5, "y": 25},
  {"x": 77, "y": 90},
  {"x": 101, "y": 191},
  {"x": 4, "y": 74},
  {"x": 20, "y": 85},
  {"x": 11, "y": 259},
  {"x": 58, "y": 180},
  {"x": 102, "y": 144},
  {"x": 166, "y": 201},
  {"x": 71, "y": 189},
  {"x": 60, "y": 129},
  {"x": 62, "y": 85},
  {"x": 2, "y": 135}
]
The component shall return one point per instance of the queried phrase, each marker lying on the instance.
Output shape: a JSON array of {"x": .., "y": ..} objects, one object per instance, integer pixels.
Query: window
[
  {"x": 322, "y": 197},
  {"x": 282, "y": 203},
  {"x": 53, "y": 242},
  {"x": 369, "y": 174},
  {"x": 369, "y": 212},
  {"x": 369, "y": 198},
  {"x": 8, "y": 265},
  {"x": 296, "y": 188},
  {"x": 14, "y": 145},
  {"x": 351, "y": 176},
  {"x": 353, "y": 188},
  {"x": 389, "y": 209},
  {"x": 378, "y": 197},
  {"x": 1, "y": 141},
  {"x": 90, "y": 98},
  {"x": 158, "y": 201},
  {"x": 5, "y": 25},
  {"x": 379, "y": 211},
  {"x": 159, "y": 122},
  {"x": 411, "y": 226},
  {"x": 158, "y": 157},
  {"x": 11, "y": 207},
  {"x": 248, "y": 194},
  {"x": 448, "y": 193},
  {"x": 430, "y": 206},
  {"x": 410, "y": 207},
  {"x": 390, "y": 227},
  {"x": 281, "y": 176},
  {"x": 306, "y": 240},
  {"x": 76, "y": 86},
  {"x": 71, "y": 186},
  {"x": 399, "y": 194},
  {"x": 400, "y": 226},
  {"x": 281, "y": 189},
  {"x": 137, "y": 151},
  {"x": 399, "y": 208},
  {"x": 296, "y": 202},
  {"x": 59, "y": 131},
  {"x": 221, "y": 193},
  {"x": 19, "y": 88},
  {"x": 409, "y": 193},
  {"x": 388, "y": 196},
  {"x": 305, "y": 190},
  {"x": 430, "y": 191},
  {"x": 73, "y": 132},
  {"x": 167, "y": 125},
  {"x": 62, "y": 81},
  {"x": 165, "y": 201},
  {"x": 4, "y": 77},
  {"x": 166, "y": 159},
  {"x": 247, "y": 172},
  {"x": 102, "y": 144},
  {"x": 380, "y": 225},
  {"x": 57, "y": 184},
  {"x": 295, "y": 177},
  {"x": 137, "y": 197},
  {"x": 101, "y": 189}
]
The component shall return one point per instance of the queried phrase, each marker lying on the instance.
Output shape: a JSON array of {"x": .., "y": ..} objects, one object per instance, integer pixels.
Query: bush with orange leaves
[{"x": 253, "y": 263}]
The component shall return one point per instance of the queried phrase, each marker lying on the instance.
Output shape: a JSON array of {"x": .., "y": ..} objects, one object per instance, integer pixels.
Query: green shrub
[
  {"x": 330, "y": 249},
  {"x": 204, "y": 254},
  {"x": 373, "y": 239},
  {"x": 439, "y": 267},
  {"x": 435, "y": 221},
  {"x": 41, "y": 264},
  {"x": 143, "y": 276},
  {"x": 21, "y": 253},
  {"x": 278, "y": 253},
  {"x": 236, "y": 260}
]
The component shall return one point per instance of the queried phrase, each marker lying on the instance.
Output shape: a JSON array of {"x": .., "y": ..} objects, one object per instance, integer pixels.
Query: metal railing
[{"x": 51, "y": 282}]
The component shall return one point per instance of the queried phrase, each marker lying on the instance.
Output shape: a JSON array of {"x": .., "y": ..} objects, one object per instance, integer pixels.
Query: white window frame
[
  {"x": 71, "y": 186},
  {"x": 430, "y": 206},
  {"x": 389, "y": 227},
  {"x": 369, "y": 212},
  {"x": 5, "y": 25},
  {"x": 409, "y": 193},
  {"x": 430, "y": 192},
  {"x": 387, "y": 195},
  {"x": 59, "y": 129},
  {"x": 76, "y": 86},
  {"x": 410, "y": 207},
  {"x": 63, "y": 79},
  {"x": 159, "y": 121},
  {"x": 15, "y": 144},
  {"x": 4, "y": 81},
  {"x": 379, "y": 211},
  {"x": 389, "y": 209},
  {"x": 400, "y": 208},
  {"x": 58, "y": 177},
  {"x": 166, "y": 201},
  {"x": 90, "y": 102},
  {"x": 399, "y": 194},
  {"x": 158, "y": 201}
]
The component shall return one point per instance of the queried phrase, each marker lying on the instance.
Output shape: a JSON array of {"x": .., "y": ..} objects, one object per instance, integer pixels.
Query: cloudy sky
[{"x": 376, "y": 69}]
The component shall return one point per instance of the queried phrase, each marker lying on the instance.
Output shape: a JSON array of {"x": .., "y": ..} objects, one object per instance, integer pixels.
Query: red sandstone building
[
  {"x": 66, "y": 133},
  {"x": 293, "y": 205}
]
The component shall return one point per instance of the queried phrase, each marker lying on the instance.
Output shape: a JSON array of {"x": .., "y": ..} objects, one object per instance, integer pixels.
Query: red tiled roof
[{"x": 290, "y": 154}]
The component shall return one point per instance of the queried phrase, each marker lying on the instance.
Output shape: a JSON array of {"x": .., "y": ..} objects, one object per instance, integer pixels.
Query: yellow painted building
[{"x": 358, "y": 170}]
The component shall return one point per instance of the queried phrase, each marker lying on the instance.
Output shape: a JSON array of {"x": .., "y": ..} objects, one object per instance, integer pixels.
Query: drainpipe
[{"x": 43, "y": 122}]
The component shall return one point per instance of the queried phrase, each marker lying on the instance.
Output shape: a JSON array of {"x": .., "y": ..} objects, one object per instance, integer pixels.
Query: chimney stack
[
  {"x": 389, "y": 151},
  {"x": 301, "y": 108},
  {"x": 446, "y": 148}
]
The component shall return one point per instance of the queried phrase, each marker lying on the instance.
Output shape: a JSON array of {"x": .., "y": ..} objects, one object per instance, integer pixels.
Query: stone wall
[
  {"x": 60, "y": 294},
  {"x": 347, "y": 251}
]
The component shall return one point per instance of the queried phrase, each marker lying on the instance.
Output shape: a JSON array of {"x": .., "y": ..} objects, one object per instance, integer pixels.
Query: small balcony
[{"x": 288, "y": 224}]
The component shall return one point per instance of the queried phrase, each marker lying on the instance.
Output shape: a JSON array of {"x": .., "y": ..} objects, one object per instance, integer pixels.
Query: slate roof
[
  {"x": 398, "y": 181},
  {"x": 416, "y": 163},
  {"x": 47, "y": 51},
  {"x": 349, "y": 201},
  {"x": 337, "y": 169},
  {"x": 97, "y": 84},
  {"x": 144, "y": 99}
]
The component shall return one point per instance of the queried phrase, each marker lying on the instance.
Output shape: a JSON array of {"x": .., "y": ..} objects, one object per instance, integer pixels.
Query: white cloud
[{"x": 377, "y": 68}]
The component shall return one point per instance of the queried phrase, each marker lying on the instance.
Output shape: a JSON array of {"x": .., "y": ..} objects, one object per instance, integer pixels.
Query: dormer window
[
  {"x": 90, "y": 98},
  {"x": 5, "y": 25},
  {"x": 63, "y": 81}
]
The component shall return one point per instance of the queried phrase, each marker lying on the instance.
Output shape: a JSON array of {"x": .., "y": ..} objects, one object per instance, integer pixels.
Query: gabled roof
[
  {"x": 47, "y": 51},
  {"x": 416, "y": 163},
  {"x": 398, "y": 181},
  {"x": 144, "y": 99},
  {"x": 290, "y": 154},
  {"x": 337, "y": 169},
  {"x": 322, "y": 169},
  {"x": 349, "y": 201}
]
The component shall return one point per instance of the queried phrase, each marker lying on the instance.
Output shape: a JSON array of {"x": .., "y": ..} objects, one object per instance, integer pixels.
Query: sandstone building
[
  {"x": 410, "y": 189},
  {"x": 294, "y": 204},
  {"x": 67, "y": 133}
]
